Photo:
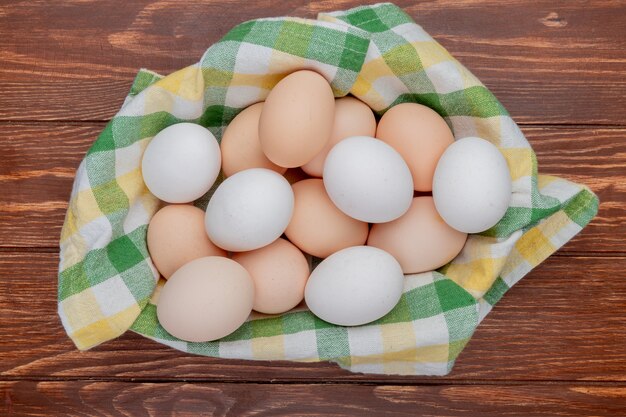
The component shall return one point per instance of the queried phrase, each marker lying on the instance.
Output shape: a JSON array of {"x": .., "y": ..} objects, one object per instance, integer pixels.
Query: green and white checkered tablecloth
[{"x": 108, "y": 284}]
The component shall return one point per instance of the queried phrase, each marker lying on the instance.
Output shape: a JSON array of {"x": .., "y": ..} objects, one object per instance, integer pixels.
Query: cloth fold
[{"x": 108, "y": 284}]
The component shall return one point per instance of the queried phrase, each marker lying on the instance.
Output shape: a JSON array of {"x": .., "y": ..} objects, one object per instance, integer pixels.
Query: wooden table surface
[{"x": 554, "y": 346}]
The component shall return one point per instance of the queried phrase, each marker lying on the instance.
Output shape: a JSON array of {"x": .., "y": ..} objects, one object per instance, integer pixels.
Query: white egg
[
  {"x": 472, "y": 185},
  {"x": 368, "y": 180},
  {"x": 181, "y": 163},
  {"x": 249, "y": 210},
  {"x": 354, "y": 286}
]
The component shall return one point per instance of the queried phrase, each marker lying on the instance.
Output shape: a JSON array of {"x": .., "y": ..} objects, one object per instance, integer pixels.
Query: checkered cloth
[{"x": 108, "y": 284}]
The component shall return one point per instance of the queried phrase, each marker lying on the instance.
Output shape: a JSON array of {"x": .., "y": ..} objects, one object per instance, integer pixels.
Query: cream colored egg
[
  {"x": 249, "y": 210},
  {"x": 420, "y": 135},
  {"x": 354, "y": 286},
  {"x": 352, "y": 118},
  {"x": 297, "y": 119},
  {"x": 240, "y": 144},
  {"x": 279, "y": 271},
  {"x": 472, "y": 185},
  {"x": 176, "y": 235},
  {"x": 420, "y": 240},
  {"x": 206, "y": 299},
  {"x": 368, "y": 180},
  {"x": 181, "y": 163}
]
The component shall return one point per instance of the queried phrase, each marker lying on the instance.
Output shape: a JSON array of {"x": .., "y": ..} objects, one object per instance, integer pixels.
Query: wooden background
[{"x": 554, "y": 346}]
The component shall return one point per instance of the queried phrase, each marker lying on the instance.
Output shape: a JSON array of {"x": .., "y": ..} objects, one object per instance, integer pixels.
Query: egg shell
[
  {"x": 472, "y": 185},
  {"x": 420, "y": 135},
  {"x": 181, "y": 163},
  {"x": 297, "y": 119},
  {"x": 352, "y": 118},
  {"x": 354, "y": 286},
  {"x": 206, "y": 299},
  {"x": 279, "y": 271},
  {"x": 420, "y": 240},
  {"x": 368, "y": 180},
  {"x": 240, "y": 146},
  {"x": 317, "y": 226},
  {"x": 249, "y": 210},
  {"x": 176, "y": 236}
]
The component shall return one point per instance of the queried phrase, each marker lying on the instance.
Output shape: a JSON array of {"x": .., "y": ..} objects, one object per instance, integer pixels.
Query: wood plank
[
  {"x": 565, "y": 321},
  {"x": 80, "y": 398},
  {"x": 36, "y": 175},
  {"x": 39, "y": 161},
  {"x": 596, "y": 158},
  {"x": 548, "y": 62}
]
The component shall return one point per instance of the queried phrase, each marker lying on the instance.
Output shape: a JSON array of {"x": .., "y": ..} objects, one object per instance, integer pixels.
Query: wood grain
[
  {"x": 548, "y": 62},
  {"x": 564, "y": 321},
  {"x": 39, "y": 161},
  {"x": 90, "y": 398},
  {"x": 554, "y": 346}
]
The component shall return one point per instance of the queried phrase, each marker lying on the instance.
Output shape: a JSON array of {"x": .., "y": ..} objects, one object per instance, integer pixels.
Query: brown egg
[
  {"x": 206, "y": 299},
  {"x": 420, "y": 135},
  {"x": 317, "y": 226},
  {"x": 297, "y": 119},
  {"x": 279, "y": 271},
  {"x": 176, "y": 235},
  {"x": 352, "y": 118},
  {"x": 420, "y": 240},
  {"x": 240, "y": 144}
]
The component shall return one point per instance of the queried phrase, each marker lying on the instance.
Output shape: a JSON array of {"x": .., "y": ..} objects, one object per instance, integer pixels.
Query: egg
[
  {"x": 354, "y": 286},
  {"x": 472, "y": 185},
  {"x": 317, "y": 226},
  {"x": 181, "y": 163},
  {"x": 368, "y": 180},
  {"x": 279, "y": 271},
  {"x": 352, "y": 118},
  {"x": 176, "y": 236},
  {"x": 419, "y": 240},
  {"x": 297, "y": 119},
  {"x": 420, "y": 135},
  {"x": 240, "y": 144},
  {"x": 249, "y": 210},
  {"x": 206, "y": 299}
]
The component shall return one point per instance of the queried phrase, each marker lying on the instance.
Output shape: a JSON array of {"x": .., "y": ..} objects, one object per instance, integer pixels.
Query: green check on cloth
[{"x": 108, "y": 284}]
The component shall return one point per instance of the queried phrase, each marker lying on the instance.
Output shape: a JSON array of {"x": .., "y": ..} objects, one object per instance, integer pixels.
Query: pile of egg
[{"x": 308, "y": 175}]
